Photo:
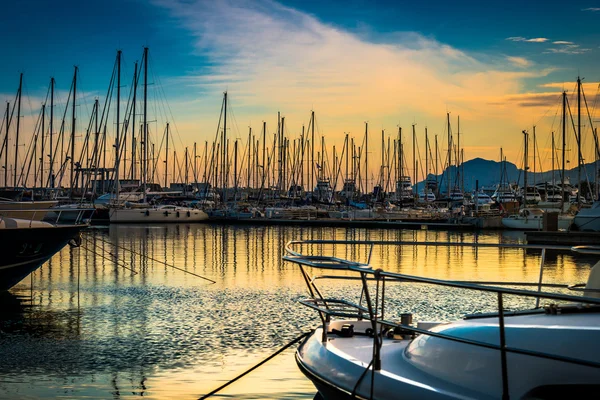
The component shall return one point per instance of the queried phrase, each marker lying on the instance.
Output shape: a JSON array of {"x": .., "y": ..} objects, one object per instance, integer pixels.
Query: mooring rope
[
  {"x": 155, "y": 260},
  {"x": 299, "y": 338}
]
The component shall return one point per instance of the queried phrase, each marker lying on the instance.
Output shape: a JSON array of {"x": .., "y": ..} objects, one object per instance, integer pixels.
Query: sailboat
[{"x": 144, "y": 212}]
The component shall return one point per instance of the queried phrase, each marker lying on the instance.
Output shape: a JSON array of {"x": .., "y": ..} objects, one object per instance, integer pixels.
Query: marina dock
[{"x": 563, "y": 238}]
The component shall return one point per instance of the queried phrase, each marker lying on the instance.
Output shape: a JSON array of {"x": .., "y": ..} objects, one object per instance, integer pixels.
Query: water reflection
[{"x": 110, "y": 320}]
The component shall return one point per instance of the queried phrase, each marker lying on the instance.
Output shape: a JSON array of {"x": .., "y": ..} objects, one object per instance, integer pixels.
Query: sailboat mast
[
  {"x": 17, "y": 135},
  {"x": 235, "y": 166},
  {"x": 322, "y": 157},
  {"x": 382, "y": 168},
  {"x": 414, "y": 136},
  {"x": 564, "y": 144},
  {"x": 525, "y": 167},
  {"x": 224, "y": 150},
  {"x": 186, "y": 176},
  {"x": 302, "y": 142},
  {"x": 167, "y": 157},
  {"x": 279, "y": 151},
  {"x": 426, "y": 161},
  {"x": 118, "y": 134},
  {"x": 401, "y": 152},
  {"x": 135, "y": 80},
  {"x": 283, "y": 158},
  {"x": 145, "y": 135},
  {"x": 449, "y": 153},
  {"x": 399, "y": 155},
  {"x": 534, "y": 149},
  {"x": 264, "y": 148},
  {"x": 250, "y": 141},
  {"x": 50, "y": 129},
  {"x": 6, "y": 144},
  {"x": 366, "y": 156},
  {"x": 553, "y": 180},
  {"x": 346, "y": 150},
  {"x": 73, "y": 119},
  {"x": 42, "y": 146},
  {"x": 436, "y": 166},
  {"x": 579, "y": 161},
  {"x": 458, "y": 144}
]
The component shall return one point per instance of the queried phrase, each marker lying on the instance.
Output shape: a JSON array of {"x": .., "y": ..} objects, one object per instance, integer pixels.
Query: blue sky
[
  {"x": 48, "y": 37},
  {"x": 389, "y": 62}
]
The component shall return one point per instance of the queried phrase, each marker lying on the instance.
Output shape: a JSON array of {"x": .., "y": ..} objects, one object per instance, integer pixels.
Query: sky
[{"x": 500, "y": 67}]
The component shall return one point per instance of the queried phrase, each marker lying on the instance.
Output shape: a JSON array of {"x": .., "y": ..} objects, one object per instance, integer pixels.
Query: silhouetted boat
[{"x": 25, "y": 244}]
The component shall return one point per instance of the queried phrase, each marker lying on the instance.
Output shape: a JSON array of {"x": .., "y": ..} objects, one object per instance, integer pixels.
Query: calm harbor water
[{"x": 109, "y": 320}]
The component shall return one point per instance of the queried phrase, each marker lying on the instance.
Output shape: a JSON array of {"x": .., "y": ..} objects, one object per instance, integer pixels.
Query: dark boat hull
[{"x": 26, "y": 249}]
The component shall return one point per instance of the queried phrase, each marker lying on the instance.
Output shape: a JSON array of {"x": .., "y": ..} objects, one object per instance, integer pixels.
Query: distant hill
[{"x": 487, "y": 172}]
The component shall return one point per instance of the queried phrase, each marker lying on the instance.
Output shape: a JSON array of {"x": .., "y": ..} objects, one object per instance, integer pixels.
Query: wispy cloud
[
  {"x": 567, "y": 49},
  {"x": 592, "y": 9},
  {"x": 562, "y": 42},
  {"x": 589, "y": 87},
  {"x": 519, "y": 61},
  {"x": 272, "y": 57},
  {"x": 531, "y": 40}
]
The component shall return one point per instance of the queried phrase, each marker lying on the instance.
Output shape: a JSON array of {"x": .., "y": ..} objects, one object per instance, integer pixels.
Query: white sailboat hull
[{"x": 525, "y": 224}]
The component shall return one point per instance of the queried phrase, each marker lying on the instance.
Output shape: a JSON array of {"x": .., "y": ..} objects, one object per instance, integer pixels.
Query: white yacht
[
  {"x": 481, "y": 198},
  {"x": 427, "y": 197},
  {"x": 404, "y": 191},
  {"x": 323, "y": 191},
  {"x": 367, "y": 349},
  {"x": 456, "y": 195},
  {"x": 531, "y": 195},
  {"x": 504, "y": 194}
]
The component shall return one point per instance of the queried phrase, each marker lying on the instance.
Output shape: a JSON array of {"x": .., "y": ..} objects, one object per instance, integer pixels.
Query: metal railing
[{"x": 375, "y": 305}]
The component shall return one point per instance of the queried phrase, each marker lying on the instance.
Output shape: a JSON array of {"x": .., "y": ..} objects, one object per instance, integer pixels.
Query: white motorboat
[
  {"x": 533, "y": 219},
  {"x": 588, "y": 219},
  {"x": 547, "y": 352},
  {"x": 158, "y": 214},
  {"x": 504, "y": 194},
  {"x": 456, "y": 195},
  {"x": 530, "y": 195},
  {"x": 404, "y": 191},
  {"x": 481, "y": 198},
  {"x": 428, "y": 196}
]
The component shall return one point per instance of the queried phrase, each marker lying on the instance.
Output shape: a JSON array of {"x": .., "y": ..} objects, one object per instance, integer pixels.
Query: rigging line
[
  {"x": 155, "y": 260},
  {"x": 293, "y": 342},
  {"x": 590, "y": 119},
  {"x": 161, "y": 90},
  {"x": 30, "y": 153},
  {"x": 83, "y": 97},
  {"x": 542, "y": 117},
  {"x": 106, "y": 258}
]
